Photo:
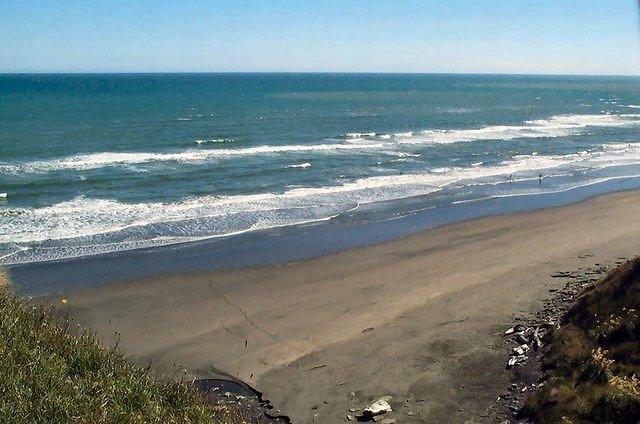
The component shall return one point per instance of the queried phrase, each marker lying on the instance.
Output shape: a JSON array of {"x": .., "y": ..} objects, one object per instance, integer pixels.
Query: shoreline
[
  {"x": 286, "y": 244},
  {"x": 419, "y": 318}
]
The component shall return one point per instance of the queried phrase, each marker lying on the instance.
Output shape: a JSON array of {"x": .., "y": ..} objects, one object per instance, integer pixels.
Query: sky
[{"x": 474, "y": 36}]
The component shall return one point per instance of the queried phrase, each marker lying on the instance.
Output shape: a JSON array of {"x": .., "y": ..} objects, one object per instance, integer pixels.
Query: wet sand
[{"x": 418, "y": 318}]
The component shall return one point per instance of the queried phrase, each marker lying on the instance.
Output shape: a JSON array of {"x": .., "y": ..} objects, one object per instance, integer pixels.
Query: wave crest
[{"x": 555, "y": 126}]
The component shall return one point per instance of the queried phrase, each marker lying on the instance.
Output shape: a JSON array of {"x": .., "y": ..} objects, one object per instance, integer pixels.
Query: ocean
[{"x": 93, "y": 164}]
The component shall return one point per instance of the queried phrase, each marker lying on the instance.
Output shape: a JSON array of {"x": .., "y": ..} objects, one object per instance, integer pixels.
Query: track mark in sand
[
  {"x": 251, "y": 322},
  {"x": 454, "y": 321}
]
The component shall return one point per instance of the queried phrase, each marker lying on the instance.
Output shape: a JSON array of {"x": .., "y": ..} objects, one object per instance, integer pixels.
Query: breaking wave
[
  {"x": 556, "y": 126},
  {"x": 210, "y": 216},
  {"x": 214, "y": 140},
  {"x": 105, "y": 159}
]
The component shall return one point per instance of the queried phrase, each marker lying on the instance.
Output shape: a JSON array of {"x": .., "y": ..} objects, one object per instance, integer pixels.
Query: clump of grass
[
  {"x": 51, "y": 373},
  {"x": 594, "y": 358},
  {"x": 620, "y": 403}
]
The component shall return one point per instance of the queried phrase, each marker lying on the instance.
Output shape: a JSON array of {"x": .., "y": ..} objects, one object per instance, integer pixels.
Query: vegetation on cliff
[
  {"x": 53, "y": 373},
  {"x": 593, "y": 360}
]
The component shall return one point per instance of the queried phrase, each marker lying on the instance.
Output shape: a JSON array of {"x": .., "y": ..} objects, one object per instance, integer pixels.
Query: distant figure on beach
[
  {"x": 510, "y": 178},
  {"x": 540, "y": 179}
]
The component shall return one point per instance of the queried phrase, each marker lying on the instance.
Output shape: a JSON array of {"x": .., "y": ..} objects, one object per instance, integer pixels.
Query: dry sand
[{"x": 418, "y": 318}]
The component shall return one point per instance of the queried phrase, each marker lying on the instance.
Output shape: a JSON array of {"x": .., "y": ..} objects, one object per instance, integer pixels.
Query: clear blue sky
[{"x": 501, "y": 36}]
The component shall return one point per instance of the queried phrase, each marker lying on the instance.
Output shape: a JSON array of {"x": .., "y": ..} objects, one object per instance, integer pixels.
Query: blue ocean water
[{"x": 101, "y": 163}]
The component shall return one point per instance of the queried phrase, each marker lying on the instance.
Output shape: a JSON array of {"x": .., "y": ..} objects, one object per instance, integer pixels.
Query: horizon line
[{"x": 306, "y": 72}]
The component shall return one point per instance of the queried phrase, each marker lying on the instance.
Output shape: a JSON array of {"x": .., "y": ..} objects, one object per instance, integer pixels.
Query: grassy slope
[
  {"x": 594, "y": 358},
  {"x": 50, "y": 374}
]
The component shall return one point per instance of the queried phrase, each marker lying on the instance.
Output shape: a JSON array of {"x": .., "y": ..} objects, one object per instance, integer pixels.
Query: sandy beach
[{"x": 418, "y": 319}]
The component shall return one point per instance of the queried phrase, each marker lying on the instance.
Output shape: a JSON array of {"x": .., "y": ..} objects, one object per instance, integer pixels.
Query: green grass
[
  {"x": 50, "y": 373},
  {"x": 593, "y": 360}
]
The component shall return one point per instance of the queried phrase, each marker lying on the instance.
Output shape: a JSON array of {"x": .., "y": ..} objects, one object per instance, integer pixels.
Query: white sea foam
[
  {"x": 105, "y": 159},
  {"x": 209, "y": 216},
  {"x": 556, "y": 126},
  {"x": 359, "y": 135},
  {"x": 214, "y": 140},
  {"x": 300, "y": 165}
]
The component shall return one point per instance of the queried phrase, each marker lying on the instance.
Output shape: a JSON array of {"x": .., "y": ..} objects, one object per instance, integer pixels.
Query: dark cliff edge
[{"x": 591, "y": 363}]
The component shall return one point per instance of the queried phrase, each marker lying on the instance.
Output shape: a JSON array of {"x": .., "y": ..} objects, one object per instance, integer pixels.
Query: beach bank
[{"x": 418, "y": 318}]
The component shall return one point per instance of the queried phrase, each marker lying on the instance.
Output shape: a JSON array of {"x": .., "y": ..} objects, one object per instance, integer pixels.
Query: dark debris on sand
[{"x": 242, "y": 402}]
